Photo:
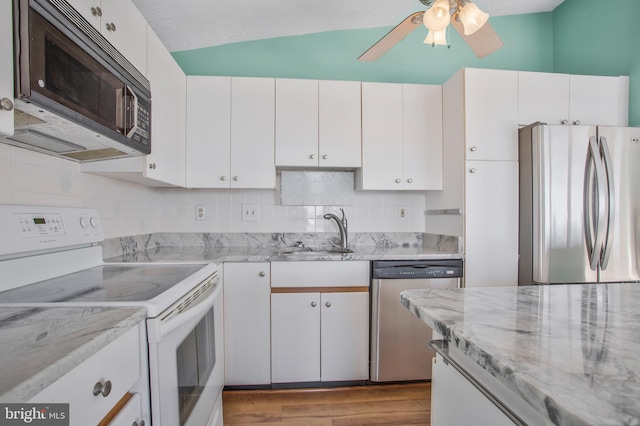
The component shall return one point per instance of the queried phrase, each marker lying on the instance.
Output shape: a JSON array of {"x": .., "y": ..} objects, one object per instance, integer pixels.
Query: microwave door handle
[{"x": 134, "y": 127}]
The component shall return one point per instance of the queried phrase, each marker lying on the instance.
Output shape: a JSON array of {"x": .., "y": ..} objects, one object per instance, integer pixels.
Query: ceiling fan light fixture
[
  {"x": 437, "y": 18},
  {"x": 435, "y": 38},
  {"x": 472, "y": 18}
]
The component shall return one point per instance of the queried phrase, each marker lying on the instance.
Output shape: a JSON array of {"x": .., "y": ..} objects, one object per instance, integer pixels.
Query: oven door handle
[{"x": 167, "y": 323}]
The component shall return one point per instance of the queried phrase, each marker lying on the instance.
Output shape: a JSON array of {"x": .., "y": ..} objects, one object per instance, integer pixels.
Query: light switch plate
[{"x": 250, "y": 212}]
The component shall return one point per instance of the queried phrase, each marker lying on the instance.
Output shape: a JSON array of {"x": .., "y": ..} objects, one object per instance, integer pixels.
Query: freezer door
[
  {"x": 624, "y": 231},
  {"x": 558, "y": 161},
  {"x": 399, "y": 340}
]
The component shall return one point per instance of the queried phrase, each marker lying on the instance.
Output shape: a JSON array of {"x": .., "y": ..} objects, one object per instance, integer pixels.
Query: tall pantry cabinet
[
  {"x": 480, "y": 149},
  {"x": 6, "y": 69}
]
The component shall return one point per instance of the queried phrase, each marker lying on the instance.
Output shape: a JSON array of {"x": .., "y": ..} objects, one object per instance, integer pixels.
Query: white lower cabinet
[
  {"x": 95, "y": 386},
  {"x": 247, "y": 317},
  {"x": 319, "y": 321}
]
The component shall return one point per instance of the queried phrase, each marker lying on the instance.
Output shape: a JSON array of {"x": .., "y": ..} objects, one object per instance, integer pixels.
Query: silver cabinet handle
[
  {"x": 398, "y": 180},
  {"x": 6, "y": 104},
  {"x": 152, "y": 166},
  {"x": 262, "y": 274},
  {"x": 223, "y": 178},
  {"x": 235, "y": 178},
  {"x": 473, "y": 149},
  {"x": 314, "y": 304},
  {"x": 111, "y": 26},
  {"x": 96, "y": 11},
  {"x": 473, "y": 170},
  {"x": 142, "y": 423},
  {"x": 102, "y": 388},
  {"x": 564, "y": 122},
  {"x": 577, "y": 122},
  {"x": 312, "y": 156},
  {"x": 409, "y": 180},
  {"x": 324, "y": 157},
  {"x": 328, "y": 304}
]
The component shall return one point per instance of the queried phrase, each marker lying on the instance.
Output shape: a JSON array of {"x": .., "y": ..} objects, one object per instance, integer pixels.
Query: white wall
[{"x": 27, "y": 177}]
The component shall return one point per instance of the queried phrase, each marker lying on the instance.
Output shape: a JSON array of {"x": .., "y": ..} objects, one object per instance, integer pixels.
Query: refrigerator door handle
[
  {"x": 594, "y": 203},
  {"x": 611, "y": 202}
]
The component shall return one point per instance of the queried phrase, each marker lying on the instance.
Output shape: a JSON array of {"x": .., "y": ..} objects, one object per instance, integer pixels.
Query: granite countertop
[
  {"x": 571, "y": 351},
  {"x": 40, "y": 345},
  {"x": 270, "y": 254}
]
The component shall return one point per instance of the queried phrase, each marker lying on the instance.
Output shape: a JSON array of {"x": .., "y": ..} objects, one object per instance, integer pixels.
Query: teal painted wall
[
  {"x": 600, "y": 38},
  {"x": 333, "y": 55},
  {"x": 579, "y": 37}
]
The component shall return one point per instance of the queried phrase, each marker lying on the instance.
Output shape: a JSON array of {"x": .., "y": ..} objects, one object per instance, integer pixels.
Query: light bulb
[
  {"x": 437, "y": 17},
  {"x": 472, "y": 18},
  {"x": 436, "y": 38}
]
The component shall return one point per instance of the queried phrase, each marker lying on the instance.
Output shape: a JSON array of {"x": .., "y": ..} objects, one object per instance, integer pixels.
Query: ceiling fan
[{"x": 464, "y": 16}]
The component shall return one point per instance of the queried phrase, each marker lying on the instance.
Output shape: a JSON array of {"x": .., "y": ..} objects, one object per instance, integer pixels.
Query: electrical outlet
[
  {"x": 201, "y": 213},
  {"x": 402, "y": 212},
  {"x": 250, "y": 212}
]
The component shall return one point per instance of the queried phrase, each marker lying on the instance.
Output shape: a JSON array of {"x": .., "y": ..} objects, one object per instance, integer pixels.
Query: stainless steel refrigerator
[{"x": 579, "y": 204}]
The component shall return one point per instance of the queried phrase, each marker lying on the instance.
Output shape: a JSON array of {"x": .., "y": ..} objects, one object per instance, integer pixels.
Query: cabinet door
[
  {"x": 422, "y": 129},
  {"x": 163, "y": 74},
  {"x": 296, "y": 122},
  {"x": 252, "y": 132},
  {"x": 208, "y": 132},
  {"x": 340, "y": 124},
  {"x": 295, "y": 337},
  {"x": 247, "y": 323},
  {"x": 344, "y": 336},
  {"x": 543, "y": 97},
  {"x": 127, "y": 32},
  {"x": 6, "y": 66},
  {"x": 382, "y": 150},
  {"x": 88, "y": 9},
  {"x": 491, "y": 223},
  {"x": 491, "y": 112},
  {"x": 595, "y": 100}
]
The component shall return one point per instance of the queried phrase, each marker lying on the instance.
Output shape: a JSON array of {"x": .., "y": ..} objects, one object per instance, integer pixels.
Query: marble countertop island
[
  {"x": 572, "y": 352},
  {"x": 40, "y": 345}
]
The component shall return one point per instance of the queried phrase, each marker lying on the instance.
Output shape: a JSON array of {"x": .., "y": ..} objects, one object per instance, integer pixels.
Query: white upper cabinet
[
  {"x": 318, "y": 123},
  {"x": 121, "y": 23},
  {"x": 491, "y": 114},
  {"x": 208, "y": 132},
  {"x": 252, "y": 132},
  {"x": 6, "y": 69},
  {"x": 572, "y": 99},
  {"x": 401, "y": 137},
  {"x": 230, "y": 132}
]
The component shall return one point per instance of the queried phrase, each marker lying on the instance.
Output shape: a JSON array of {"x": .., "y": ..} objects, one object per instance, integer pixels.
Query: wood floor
[{"x": 406, "y": 404}]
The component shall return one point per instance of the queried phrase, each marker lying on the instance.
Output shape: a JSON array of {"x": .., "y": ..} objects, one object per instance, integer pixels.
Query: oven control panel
[{"x": 27, "y": 229}]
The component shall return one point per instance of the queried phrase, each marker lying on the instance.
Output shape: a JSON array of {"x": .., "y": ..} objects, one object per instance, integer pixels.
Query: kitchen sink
[{"x": 318, "y": 251}]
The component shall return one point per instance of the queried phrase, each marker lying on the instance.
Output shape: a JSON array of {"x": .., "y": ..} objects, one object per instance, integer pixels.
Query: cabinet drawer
[
  {"x": 118, "y": 363},
  {"x": 320, "y": 274},
  {"x": 130, "y": 414}
]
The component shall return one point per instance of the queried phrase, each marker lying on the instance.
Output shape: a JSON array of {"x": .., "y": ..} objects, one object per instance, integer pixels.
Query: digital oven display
[{"x": 39, "y": 221}]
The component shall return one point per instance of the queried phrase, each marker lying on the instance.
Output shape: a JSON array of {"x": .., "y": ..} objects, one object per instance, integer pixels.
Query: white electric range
[{"x": 51, "y": 256}]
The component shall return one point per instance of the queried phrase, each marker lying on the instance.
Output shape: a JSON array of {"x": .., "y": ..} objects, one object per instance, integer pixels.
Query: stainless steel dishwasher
[{"x": 399, "y": 340}]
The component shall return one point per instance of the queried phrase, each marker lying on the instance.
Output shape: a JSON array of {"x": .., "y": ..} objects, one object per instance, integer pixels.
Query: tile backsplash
[{"x": 27, "y": 177}]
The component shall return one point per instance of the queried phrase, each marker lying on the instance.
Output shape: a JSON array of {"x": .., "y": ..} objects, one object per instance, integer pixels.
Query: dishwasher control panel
[{"x": 401, "y": 269}]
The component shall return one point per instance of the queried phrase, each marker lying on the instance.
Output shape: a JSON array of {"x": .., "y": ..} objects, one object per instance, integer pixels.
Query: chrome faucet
[{"x": 342, "y": 226}]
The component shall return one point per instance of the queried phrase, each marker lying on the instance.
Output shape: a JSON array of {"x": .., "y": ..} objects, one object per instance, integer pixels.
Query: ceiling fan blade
[
  {"x": 483, "y": 42},
  {"x": 397, "y": 34}
]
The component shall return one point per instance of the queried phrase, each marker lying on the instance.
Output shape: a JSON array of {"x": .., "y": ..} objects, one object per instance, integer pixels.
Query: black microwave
[{"x": 76, "y": 95}]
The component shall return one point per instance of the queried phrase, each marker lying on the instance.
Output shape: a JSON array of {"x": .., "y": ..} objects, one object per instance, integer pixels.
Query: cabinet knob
[
  {"x": 328, "y": 304},
  {"x": 324, "y": 157},
  {"x": 111, "y": 27},
  {"x": 398, "y": 180},
  {"x": 473, "y": 170},
  {"x": 577, "y": 122},
  {"x": 102, "y": 388},
  {"x": 312, "y": 156},
  {"x": 314, "y": 304},
  {"x": 262, "y": 274},
  {"x": 409, "y": 180},
  {"x": 223, "y": 178},
  {"x": 564, "y": 122},
  {"x": 473, "y": 149},
  {"x": 96, "y": 11},
  {"x": 141, "y": 423},
  {"x": 152, "y": 166},
  {"x": 235, "y": 178},
  {"x": 6, "y": 104}
]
